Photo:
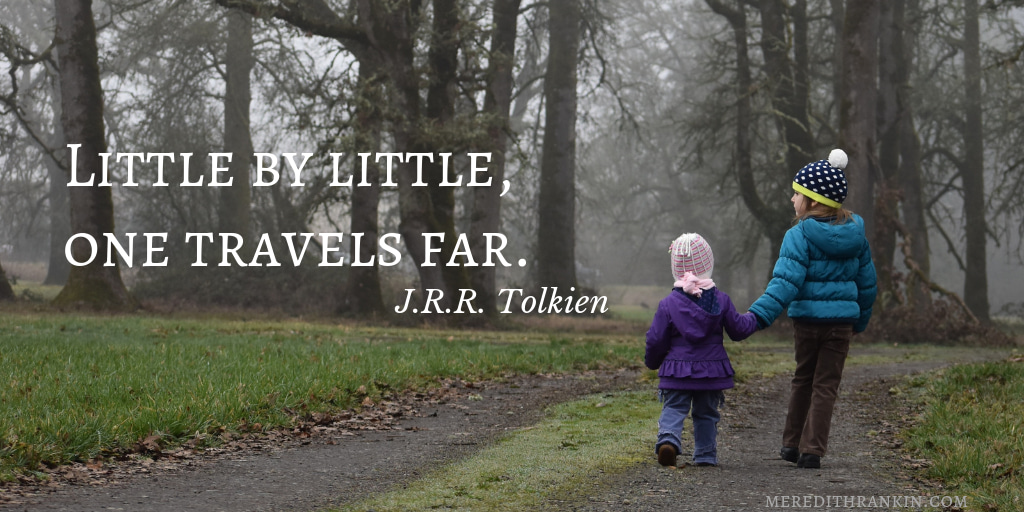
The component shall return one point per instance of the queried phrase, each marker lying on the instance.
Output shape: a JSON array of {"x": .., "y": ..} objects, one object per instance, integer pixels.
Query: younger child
[{"x": 684, "y": 344}]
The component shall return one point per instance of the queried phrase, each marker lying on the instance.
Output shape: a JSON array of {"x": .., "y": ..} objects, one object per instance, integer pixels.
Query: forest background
[{"x": 619, "y": 124}]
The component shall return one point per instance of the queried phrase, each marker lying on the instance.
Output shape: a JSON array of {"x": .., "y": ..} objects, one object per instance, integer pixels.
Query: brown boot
[{"x": 667, "y": 455}]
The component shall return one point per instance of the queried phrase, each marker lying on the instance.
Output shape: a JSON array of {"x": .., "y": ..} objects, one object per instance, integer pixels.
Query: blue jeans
[{"x": 703, "y": 409}]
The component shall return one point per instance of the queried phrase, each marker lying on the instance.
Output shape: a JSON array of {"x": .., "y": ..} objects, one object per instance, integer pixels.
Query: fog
[{"x": 656, "y": 151}]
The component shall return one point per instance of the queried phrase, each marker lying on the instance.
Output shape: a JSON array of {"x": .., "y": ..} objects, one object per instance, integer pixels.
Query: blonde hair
[{"x": 819, "y": 210}]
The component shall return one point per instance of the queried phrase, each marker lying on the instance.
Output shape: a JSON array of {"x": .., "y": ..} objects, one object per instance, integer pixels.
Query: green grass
[
  {"x": 632, "y": 313},
  {"x": 36, "y": 292},
  {"x": 551, "y": 460},
  {"x": 77, "y": 387},
  {"x": 971, "y": 430}
]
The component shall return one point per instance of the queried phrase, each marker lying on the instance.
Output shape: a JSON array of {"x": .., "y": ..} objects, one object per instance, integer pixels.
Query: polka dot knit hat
[
  {"x": 824, "y": 180},
  {"x": 691, "y": 253}
]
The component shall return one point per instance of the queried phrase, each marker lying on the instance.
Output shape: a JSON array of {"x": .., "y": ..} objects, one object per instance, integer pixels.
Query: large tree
[
  {"x": 909, "y": 179},
  {"x": 389, "y": 34},
  {"x": 973, "y": 170},
  {"x": 58, "y": 269},
  {"x": 556, "y": 235},
  {"x": 235, "y": 213},
  {"x": 775, "y": 220},
  {"x": 788, "y": 79},
  {"x": 858, "y": 103},
  {"x": 892, "y": 73},
  {"x": 486, "y": 213},
  {"x": 785, "y": 49},
  {"x": 92, "y": 207},
  {"x": 34, "y": 99},
  {"x": 363, "y": 291}
]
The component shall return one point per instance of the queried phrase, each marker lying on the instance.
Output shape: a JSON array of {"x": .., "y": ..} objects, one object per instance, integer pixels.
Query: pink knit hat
[{"x": 691, "y": 253}]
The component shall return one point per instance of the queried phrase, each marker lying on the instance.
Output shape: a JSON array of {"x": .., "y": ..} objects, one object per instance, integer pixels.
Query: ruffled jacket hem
[{"x": 683, "y": 369}]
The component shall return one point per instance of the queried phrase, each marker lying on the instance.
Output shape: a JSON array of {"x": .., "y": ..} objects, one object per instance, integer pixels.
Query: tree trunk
[
  {"x": 92, "y": 207},
  {"x": 774, "y": 221},
  {"x": 60, "y": 219},
  {"x": 890, "y": 68},
  {"x": 388, "y": 31},
  {"x": 363, "y": 294},
  {"x": 235, "y": 213},
  {"x": 910, "y": 180},
  {"x": 440, "y": 109},
  {"x": 58, "y": 268},
  {"x": 6, "y": 292},
  {"x": 976, "y": 275},
  {"x": 486, "y": 214},
  {"x": 392, "y": 32},
  {"x": 837, "y": 16},
  {"x": 857, "y": 105},
  {"x": 556, "y": 236},
  {"x": 788, "y": 81}
]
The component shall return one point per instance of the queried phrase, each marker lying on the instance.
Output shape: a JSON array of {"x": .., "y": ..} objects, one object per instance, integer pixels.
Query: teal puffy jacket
[{"x": 824, "y": 274}]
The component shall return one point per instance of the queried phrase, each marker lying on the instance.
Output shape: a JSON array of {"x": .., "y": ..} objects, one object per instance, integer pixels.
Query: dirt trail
[
  {"x": 328, "y": 470},
  {"x": 314, "y": 473},
  {"x": 750, "y": 469}
]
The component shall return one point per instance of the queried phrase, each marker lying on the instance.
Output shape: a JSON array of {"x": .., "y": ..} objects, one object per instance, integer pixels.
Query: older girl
[{"x": 826, "y": 278}]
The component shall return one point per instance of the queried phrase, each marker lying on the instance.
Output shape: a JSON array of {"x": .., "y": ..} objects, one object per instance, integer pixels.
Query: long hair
[{"x": 841, "y": 215}]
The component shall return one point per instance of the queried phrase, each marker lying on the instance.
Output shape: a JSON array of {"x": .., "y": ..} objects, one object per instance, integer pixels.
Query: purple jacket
[{"x": 684, "y": 342}]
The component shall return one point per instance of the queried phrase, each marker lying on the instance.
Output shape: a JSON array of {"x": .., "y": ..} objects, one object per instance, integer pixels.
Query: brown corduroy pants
[{"x": 821, "y": 351}]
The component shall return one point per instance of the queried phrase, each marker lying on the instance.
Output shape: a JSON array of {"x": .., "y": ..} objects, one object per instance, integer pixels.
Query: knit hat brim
[{"x": 816, "y": 196}]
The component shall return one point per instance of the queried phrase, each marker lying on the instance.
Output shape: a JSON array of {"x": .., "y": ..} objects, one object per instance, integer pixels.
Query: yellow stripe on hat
[{"x": 816, "y": 196}]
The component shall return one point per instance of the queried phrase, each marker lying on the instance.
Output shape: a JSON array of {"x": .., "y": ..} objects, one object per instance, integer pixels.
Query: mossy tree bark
[{"x": 92, "y": 208}]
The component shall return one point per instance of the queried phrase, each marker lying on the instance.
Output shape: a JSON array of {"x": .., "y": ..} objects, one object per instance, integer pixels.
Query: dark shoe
[
  {"x": 808, "y": 461},
  {"x": 705, "y": 464},
  {"x": 789, "y": 454},
  {"x": 667, "y": 455}
]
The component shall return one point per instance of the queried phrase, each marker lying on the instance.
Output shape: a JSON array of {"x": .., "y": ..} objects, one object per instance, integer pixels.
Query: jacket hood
[{"x": 836, "y": 240}]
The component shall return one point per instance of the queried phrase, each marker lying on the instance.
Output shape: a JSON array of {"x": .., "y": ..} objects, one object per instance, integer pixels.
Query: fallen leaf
[{"x": 150, "y": 444}]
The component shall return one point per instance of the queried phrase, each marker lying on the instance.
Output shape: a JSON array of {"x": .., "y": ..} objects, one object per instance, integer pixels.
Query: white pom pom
[{"x": 838, "y": 159}]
